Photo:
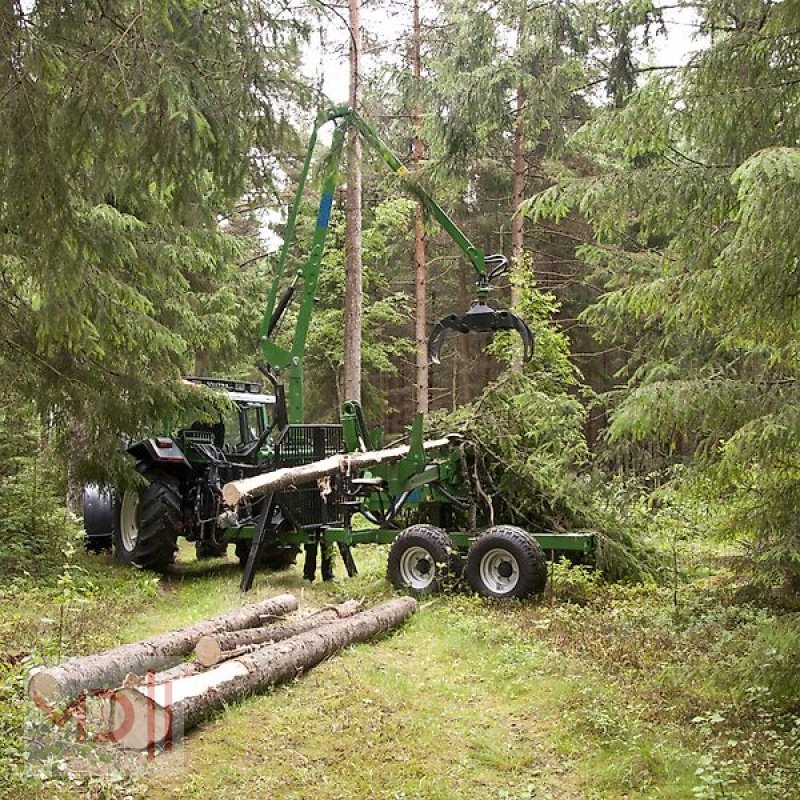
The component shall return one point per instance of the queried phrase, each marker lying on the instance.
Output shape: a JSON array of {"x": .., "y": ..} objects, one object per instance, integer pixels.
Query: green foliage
[
  {"x": 692, "y": 200},
  {"x": 125, "y": 133},
  {"x": 36, "y": 525},
  {"x": 708, "y": 661},
  {"x": 475, "y": 72}
]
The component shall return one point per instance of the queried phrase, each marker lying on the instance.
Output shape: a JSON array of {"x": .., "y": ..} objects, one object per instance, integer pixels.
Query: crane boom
[{"x": 278, "y": 358}]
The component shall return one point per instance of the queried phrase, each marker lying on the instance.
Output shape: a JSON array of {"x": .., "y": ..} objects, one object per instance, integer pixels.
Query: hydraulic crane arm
[{"x": 480, "y": 316}]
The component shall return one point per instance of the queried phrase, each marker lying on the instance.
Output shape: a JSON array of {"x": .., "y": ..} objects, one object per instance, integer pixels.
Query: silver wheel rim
[
  {"x": 499, "y": 571},
  {"x": 128, "y": 527},
  {"x": 417, "y": 568}
]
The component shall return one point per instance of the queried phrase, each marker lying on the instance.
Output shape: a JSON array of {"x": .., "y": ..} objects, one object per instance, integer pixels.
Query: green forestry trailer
[{"x": 419, "y": 504}]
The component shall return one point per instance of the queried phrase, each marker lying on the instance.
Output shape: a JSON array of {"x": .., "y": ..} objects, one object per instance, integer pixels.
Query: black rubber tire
[
  {"x": 441, "y": 553},
  {"x": 208, "y": 549},
  {"x": 521, "y": 548},
  {"x": 98, "y": 518},
  {"x": 273, "y": 557},
  {"x": 158, "y": 522}
]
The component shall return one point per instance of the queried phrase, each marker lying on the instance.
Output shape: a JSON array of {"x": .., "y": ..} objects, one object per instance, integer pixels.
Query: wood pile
[{"x": 142, "y": 699}]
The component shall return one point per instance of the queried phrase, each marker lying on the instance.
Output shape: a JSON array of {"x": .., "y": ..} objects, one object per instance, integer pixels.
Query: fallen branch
[
  {"x": 346, "y": 463},
  {"x": 67, "y": 681},
  {"x": 210, "y": 650},
  {"x": 148, "y": 716}
]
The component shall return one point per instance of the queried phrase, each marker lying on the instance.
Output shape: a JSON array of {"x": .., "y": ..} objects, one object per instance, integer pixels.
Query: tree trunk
[
  {"x": 103, "y": 670},
  {"x": 420, "y": 292},
  {"x": 353, "y": 271},
  {"x": 518, "y": 189},
  {"x": 151, "y": 715},
  {"x": 9, "y": 33},
  {"x": 346, "y": 463},
  {"x": 211, "y": 650}
]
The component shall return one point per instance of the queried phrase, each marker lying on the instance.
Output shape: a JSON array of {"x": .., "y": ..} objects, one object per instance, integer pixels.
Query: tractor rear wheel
[
  {"x": 147, "y": 523},
  {"x": 421, "y": 560},
  {"x": 506, "y": 561}
]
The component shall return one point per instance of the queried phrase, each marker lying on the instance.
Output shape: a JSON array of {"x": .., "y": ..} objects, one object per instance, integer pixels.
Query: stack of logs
[{"x": 143, "y": 699}]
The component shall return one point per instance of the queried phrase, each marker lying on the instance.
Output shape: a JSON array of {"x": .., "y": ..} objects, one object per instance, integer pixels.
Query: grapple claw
[{"x": 480, "y": 317}]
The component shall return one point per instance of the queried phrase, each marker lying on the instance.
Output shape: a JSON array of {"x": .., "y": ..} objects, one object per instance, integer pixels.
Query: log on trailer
[
  {"x": 218, "y": 647},
  {"x": 148, "y": 716},
  {"x": 67, "y": 681},
  {"x": 345, "y": 463}
]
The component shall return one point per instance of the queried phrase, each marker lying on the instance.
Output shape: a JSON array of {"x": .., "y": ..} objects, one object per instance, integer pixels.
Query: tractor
[
  {"x": 421, "y": 506},
  {"x": 183, "y": 477}
]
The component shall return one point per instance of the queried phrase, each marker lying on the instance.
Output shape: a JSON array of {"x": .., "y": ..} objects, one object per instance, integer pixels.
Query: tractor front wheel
[
  {"x": 421, "y": 560},
  {"x": 506, "y": 561},
  {"x": 147, "y": 523}
]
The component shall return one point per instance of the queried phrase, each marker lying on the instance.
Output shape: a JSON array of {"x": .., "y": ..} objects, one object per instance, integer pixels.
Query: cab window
[
  {"x": 254, "y": 425},
  {"x": 233, "y": 434}
]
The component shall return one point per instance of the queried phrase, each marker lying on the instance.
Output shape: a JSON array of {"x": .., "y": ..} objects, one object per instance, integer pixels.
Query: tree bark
[
  {"x": 210, "y": 650},
  {"x": 420, "y": 290},
  {"x": 346, "y": 463},
  {"x": 148, "y": 716},
  {"x": 353, "y": 269},
  {"x": 518, "y": 189},
  {"x": 108, "y": 669}
]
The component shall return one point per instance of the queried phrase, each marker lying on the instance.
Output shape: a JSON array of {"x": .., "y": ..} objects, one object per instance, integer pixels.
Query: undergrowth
[{"x": 721, "y": 672}]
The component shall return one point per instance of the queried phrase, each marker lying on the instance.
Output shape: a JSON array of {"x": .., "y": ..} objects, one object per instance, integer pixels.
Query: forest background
[{"x": 149, "y": 151}]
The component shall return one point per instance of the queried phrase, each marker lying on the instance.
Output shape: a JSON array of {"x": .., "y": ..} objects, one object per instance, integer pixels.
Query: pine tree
[
  {"x": 126, "y": 130},
  {"x": 692, "y": 196}
]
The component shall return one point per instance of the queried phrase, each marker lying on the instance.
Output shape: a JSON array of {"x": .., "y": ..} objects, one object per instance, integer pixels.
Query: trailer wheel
[
  {"x": 506, "y": 561},
  {"x": 147, "y": 523},
  {"x": 421, "y": 559}
]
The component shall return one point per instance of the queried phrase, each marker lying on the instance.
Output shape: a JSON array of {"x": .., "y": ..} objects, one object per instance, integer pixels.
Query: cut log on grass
[
  {"x": 149, "y": 716},
  {"x": 67, "y": 681},
  {"x": 182, "y": 670},
  {"x": 346, "y": 463},
  {"x": 218, "y": 647}
]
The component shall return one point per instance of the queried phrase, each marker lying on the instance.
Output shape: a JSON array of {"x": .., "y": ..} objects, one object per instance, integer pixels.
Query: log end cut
[
  {"x": 45, "y": 688},
  {"x": 137, "y": 722},
  {"x": 208, "y": 652}
]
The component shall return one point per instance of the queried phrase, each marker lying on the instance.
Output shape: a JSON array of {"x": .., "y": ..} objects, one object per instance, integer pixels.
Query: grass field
[{"x": 615, "y": 694}]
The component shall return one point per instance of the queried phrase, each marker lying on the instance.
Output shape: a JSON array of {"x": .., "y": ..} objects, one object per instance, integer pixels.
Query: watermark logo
[{"x": 138, "y": 717}]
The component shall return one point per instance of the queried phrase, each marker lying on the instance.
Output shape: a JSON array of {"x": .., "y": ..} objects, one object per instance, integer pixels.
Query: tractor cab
[{"x": 242, "y": 426}]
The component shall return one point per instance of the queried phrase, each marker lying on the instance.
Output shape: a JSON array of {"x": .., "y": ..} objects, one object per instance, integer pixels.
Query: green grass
[{"x": 469, "y": 699}]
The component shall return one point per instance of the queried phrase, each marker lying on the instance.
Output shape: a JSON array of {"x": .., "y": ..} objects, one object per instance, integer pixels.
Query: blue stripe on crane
[{"x": 324, "y": 214}]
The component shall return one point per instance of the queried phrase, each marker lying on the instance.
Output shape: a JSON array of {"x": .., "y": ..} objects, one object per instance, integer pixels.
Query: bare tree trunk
[
  {"x": 353, "y": 271},
  {"x": 346, "y": 463},
  {"x": 420, "y": 292},
  {"x": 145, "y": 717},
  {"x": 103, "y": 670},
  {"x": 211, "y": 650},
  {"x": 9, "y": 33},
  {"x": 518, "y": 188}
]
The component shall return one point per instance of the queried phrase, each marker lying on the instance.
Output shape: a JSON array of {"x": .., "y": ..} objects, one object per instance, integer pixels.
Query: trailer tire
[
  {"x": 506, "y": 561},
  {"x": 147, "y": 523},
  {"x": 422, "y": 560}
]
